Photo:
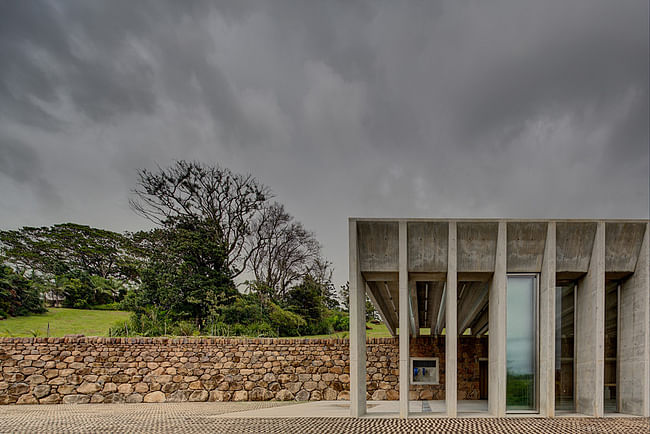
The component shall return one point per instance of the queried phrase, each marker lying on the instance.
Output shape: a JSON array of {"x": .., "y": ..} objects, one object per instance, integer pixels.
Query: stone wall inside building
[{"x": 116, "y": 370}]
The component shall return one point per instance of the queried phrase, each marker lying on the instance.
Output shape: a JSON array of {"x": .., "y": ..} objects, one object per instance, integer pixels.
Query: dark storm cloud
[
  {"x": 19, "y": 162},
  {"x": 369, "y": 108}
]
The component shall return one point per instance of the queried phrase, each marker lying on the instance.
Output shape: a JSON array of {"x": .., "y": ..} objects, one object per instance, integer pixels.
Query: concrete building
[{"x": 563, "y": 307}]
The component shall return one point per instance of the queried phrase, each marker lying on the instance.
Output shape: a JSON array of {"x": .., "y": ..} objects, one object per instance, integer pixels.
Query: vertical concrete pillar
[
  {"x": 634, "y": 337},
  {"x": 404, "y": 320},
  {"x": 451, "y": 332},
  {"x": 497, "y": 330},
  {"x": 590, "y": 332},
  {"x": 547, "y": 326},
  {"x": 357, "y": 329}
]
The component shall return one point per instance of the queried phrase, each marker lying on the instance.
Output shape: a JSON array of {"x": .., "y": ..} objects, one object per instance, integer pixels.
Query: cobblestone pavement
[{"x": 204, "y": 417}]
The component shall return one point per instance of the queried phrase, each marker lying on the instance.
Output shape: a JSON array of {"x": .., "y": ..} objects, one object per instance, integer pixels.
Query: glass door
[{"x": 521, "y": 343}]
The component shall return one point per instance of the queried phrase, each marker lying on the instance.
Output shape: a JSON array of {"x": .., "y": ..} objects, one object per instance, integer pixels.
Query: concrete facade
[{"x": 450, "y": 277}]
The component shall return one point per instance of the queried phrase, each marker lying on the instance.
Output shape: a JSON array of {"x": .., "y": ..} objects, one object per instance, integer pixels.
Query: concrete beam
[
  {"x": 574, "y": 244},
  {"x": 497, "y": 339},
  {"x": 525, "y": 246},
  {"x": 378, "y": 246},
  {"x": 357, "y": 328},
  {"x": 435, "y": 299},
  {"x": 634, "y": 336},
  {"x": 451, "y": 335},
  {"x": 392, "y": 297},
  {"x": 471, "y": 304},
  {"x": 413, "y": 308},
  {"x": 476, "y": 246},
  {"x": 385, "y": 312},
  {"x": 404, "y": 320},
  {"x": 428, "y": 277},
  {"x": 380, "y": 276},
  {"x": 427, "y": 247},
  {"x": 547, "y": 325},
  {"x": 440, "y": 321},
  {"x": 622, "y": 246},
  {"x": 479, "y": 327},
  {"x": 590, "y": 336}
]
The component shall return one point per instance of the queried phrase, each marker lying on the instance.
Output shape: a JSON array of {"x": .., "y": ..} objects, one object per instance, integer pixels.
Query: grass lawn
[
  {"x": 97, "y": 322},
  {"x": 375, "y": 331},
  {"x": 62, "y": 322}
]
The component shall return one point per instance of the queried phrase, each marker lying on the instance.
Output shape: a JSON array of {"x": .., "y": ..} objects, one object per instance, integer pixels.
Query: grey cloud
[
  {"x": 369, "y": 108},
  {"x": 21, "y": 163}
]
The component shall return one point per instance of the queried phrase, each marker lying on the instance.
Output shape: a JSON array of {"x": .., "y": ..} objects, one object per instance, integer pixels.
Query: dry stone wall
[{"x": 130, "y": 370}]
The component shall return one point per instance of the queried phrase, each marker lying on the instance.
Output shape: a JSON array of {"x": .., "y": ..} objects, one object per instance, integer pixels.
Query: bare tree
[
  {"x": 284, "y": 251},
  {"x": 229, "y": 201}
]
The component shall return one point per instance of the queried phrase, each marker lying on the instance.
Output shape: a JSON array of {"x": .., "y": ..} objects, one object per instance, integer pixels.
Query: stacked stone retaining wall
[{"x": 132, "y": 370}]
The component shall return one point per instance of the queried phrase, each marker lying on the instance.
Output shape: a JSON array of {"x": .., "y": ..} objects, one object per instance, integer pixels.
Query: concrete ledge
[{"x": 189, "y": 340}]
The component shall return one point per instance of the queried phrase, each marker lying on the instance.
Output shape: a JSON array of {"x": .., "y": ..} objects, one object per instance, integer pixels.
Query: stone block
[
  {"x": 178, "y": 396},
  {"x": 154, "y": 397},
  {"x": 88, "y": 388},
  {"x": 18, "y": 389},
  {"x": 27, "y": 398},
  {"x": 36, "y": 379},
  {"x": 198, "y": 396},
  {"x": 284, "y": 395},
  {"x": 125, "y": 389},
  {"x": 240, "y": 395},
  {"x": 54, "y": 398},
  {"x": 114, "y": 398},
  {"x": 141, "y": 388},
  {"x": 134, "y": 398},
  {"x": 218, "y": 395},
  {"x": 76, "y": 399},
  {"x": 41, "y": 390},
  {"x": 110, "y": 388}
]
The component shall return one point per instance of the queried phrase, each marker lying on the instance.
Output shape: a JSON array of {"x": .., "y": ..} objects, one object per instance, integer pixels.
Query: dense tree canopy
[
  {"x": 69, "y": 247},
  {"x": 186, "y": 274}
]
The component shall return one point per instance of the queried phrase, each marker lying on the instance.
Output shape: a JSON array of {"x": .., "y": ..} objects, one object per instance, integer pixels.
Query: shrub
[
  {"x": 245, "y": 310},
  {"x": 285, "y": 322},
  {"x": 258, "y": 330},
  {"x": 341, "y": 321},
  {"x": 185, "y": 328},
  {"x": 151, "y": 322}
]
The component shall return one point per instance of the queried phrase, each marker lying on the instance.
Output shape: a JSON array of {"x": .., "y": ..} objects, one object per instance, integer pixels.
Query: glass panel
[
  {"x": 611, "y": 327},
  {"x": 520, "y": 343},
  {"x": 564, "y": 338}
]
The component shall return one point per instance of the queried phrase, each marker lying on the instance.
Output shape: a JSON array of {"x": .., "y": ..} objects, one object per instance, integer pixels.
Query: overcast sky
[{"x": 344, "y": 108}]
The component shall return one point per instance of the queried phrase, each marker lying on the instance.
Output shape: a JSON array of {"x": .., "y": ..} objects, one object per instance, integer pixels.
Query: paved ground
[{"x": 210, "y": 417}]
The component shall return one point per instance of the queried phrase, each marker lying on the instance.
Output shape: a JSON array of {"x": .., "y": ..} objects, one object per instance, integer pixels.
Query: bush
[
  {"x": 151, "y": 322},
  {"x": 285, "y": 322},
  {"x": 257, "y": 330},
  {"x": 185, "y": 328},
  {"x": 341, "y": 321},
  {"x": 245, "y": 310}
]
